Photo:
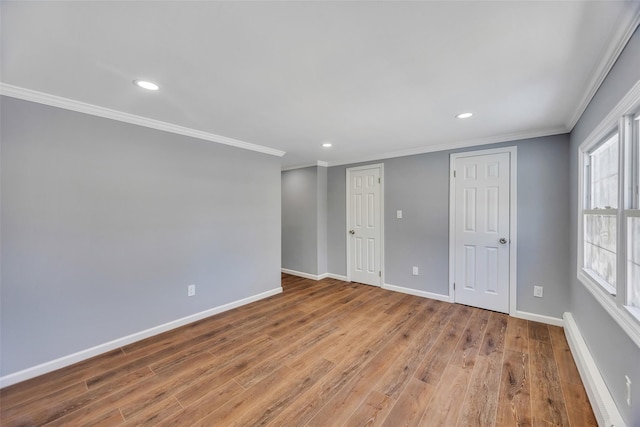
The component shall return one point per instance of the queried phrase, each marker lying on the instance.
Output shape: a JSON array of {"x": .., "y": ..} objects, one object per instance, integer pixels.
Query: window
[
  {"x": 601, "y": 174},
  {"x": 609, "y": 232},
  {"x": 632, "y": 216}
]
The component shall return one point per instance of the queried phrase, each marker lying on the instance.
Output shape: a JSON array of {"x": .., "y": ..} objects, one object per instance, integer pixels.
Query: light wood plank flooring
[{"x": 325, "y": 353}]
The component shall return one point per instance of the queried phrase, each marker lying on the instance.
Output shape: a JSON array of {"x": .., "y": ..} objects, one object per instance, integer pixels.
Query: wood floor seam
[{"x": 321, "y": 353}]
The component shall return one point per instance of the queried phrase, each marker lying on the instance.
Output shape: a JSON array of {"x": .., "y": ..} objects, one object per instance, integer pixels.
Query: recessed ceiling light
[
  {"x": 326, "y": 144},
  {"x": 146, "y": 85},
  {"x": 464, "y": 115}
]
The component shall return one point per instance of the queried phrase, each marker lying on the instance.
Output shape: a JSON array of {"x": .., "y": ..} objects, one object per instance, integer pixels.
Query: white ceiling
[{"x": 377, "y": 79}]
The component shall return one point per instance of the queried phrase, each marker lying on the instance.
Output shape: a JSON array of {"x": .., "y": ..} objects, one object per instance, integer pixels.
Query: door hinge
[
  {"x": 379, "y": 273},
  {"x": 379, "y": 181},
  {"x": 454, "y": 286},
  {"x": 454, "y": 173}
]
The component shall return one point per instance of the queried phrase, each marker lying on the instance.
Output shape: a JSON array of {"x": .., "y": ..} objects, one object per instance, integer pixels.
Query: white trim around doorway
[
  {"x": 513, "y": 228},
  {"x": 347, "y": 210}
]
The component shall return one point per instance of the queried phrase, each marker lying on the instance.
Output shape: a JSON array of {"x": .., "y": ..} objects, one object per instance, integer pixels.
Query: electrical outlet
[
  {"x": 415, "y": 271},
  {"x": 191, "y": 290},
  {"x": 399, "y": 214},
  {"x": 628, "y": 381},
  {"x": 537, "y": 291}
]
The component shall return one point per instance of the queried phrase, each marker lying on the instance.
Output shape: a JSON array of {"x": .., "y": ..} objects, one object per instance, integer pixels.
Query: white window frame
[
  {"x": 587, "y": 201},
  {"x": 613, "y": 302},
  {"x": 632, "y": 184}
]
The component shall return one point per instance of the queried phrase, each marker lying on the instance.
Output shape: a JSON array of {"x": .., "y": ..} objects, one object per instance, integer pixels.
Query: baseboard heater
[{"x": 604, "y": 407}]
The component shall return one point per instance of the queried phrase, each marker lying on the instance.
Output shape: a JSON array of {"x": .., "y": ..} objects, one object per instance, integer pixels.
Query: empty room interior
[{"x": 283, "y": 213}]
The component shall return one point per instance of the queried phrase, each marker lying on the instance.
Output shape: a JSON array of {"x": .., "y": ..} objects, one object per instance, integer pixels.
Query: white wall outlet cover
[
  {"x": 537, "y": 291},
  {"x": 191, "y": 290},
  {"x": 399, "y": 214},
  {"x": 415, "y": 271}
]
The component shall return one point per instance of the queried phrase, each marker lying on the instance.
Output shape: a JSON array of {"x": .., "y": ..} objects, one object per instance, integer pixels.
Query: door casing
[
  {"x": 513, "y": 215},
  {"x": 348, "y": 211}
]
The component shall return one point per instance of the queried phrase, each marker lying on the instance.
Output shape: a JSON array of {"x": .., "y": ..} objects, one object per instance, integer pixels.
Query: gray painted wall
[
  {"x": 613, "y": 350},
  {"x": 336, "y": 221},
  {"x": 419, "y": 186},
  {"x": 304, "y": 220},
  {"x": 104, "y": 224},
  {"x": 300, "y": 220},
  {"x": 322, "y": 220}
]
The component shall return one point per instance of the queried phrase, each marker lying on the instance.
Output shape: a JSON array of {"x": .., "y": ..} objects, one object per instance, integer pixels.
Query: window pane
[
  {"x": 633, "y": 261},
  {"x": 600, "y": 246},
  {"x": 604, "y": 175}
]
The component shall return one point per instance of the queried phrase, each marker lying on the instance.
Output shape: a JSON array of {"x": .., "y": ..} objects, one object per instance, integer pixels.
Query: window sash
[
  {"x": 632, "y": 219},
  {"x": 603, "y": 176},
  {"x": 600, "y": 247}
]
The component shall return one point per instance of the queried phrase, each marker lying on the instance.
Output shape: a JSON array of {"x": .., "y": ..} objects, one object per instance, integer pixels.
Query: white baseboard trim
[
  {"x": 417, "y": 293},
  {"x": 604, "y": 408},
  {"x": 64, "y": 361},
  {"x": 301, "y": 274},
  {"x": 440, "y": 297},
  {"x": 313, "y": 276},
  {"x": 538, "y": 318}
]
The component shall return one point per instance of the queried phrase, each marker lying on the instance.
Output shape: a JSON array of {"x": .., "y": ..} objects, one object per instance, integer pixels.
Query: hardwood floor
[{"x": 325, "y": 353}]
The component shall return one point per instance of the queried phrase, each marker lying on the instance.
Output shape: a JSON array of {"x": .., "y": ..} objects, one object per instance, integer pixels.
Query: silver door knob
[
  {"x": 502, "y": 240},
  {"x": 352, "y": 232}
]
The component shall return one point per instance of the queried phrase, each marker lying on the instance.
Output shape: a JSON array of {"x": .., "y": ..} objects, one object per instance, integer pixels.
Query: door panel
[
  {"x": 365, "y": 226},
  {"x": 481, "y": 213}
]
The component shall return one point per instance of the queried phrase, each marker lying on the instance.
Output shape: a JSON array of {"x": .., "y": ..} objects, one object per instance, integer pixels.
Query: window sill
[
  {"x": 627, "y": 317},
  {"x": 608, "y": 288},
  {"x": 633, "y": 311}
]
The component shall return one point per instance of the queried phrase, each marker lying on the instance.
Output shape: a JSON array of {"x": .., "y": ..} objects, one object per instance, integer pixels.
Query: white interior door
[
  {"x": 481, "y": 208},
  {"x": 364, "y": 225}
]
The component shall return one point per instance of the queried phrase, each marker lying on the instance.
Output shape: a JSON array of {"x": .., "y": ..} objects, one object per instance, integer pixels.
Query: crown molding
[
  {"x": 625, "y": 30},
  {"x": 606, "y": 125},
  {"x": 454, "y": 145},
  {"x": 107, "y": 113},
  {"x": 302, "y": 166},
  {"x": 319, "y": 163}
]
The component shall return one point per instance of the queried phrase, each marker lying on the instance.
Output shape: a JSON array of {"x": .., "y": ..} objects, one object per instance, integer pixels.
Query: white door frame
[
  {"x": 348, "y": 211},
  {"x": 513, "y": 216}
]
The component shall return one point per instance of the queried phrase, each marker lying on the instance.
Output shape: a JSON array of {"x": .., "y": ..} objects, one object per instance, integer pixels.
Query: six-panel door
[
  {"x": 482, "y": 231},
  {"x": 365, "y": 226}
]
